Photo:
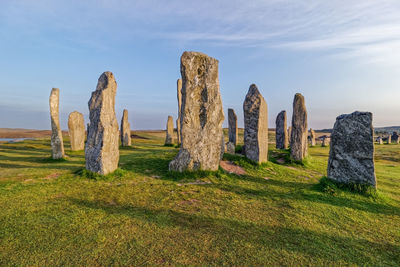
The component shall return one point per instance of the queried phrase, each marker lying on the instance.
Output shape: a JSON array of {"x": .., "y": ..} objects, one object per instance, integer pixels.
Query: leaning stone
[
  {"x": 125, "y": 130},
  {"x": 230, "y": 148},
  {"x": 255, "y": 126},
  {"x": 76, "y": 130},
  {"x": 57, "y": 145},
  {"x": 102, "y": 145},
  {"x": 233, "y": 128},
  {"x": 202, "y": 114},
  {"x": 298, "y": 139},
  {"x": 178, "y": 120},
  {"x": 169, "y": 131},
  {"x": 312, "y": 137},
  {"x": 281, "y": 132},
  {"x": 351, "y": 155}
]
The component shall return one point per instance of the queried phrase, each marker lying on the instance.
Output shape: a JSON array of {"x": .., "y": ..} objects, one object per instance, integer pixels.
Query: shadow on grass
[{"x": 299, "y": 240}]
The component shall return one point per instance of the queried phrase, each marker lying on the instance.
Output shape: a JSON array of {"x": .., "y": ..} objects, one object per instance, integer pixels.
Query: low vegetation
[{"x": 278, "y": 213}]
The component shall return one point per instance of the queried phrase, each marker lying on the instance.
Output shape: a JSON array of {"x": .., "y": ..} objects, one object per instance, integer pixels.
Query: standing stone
[
  {"x": 178, "y": 120},
  {"x": 351, "y": 155},
  {"x": 289, "y": 133},
  {"x": 169, "y": 131},
  {"x": 282, "y": 141},
  {"x": 380, "y": 140},
  {"x": 76, "y": 130},
  {"x": 125, "y": 130},
  {"x": 389, "y": 139},
  {"x": 395, "y": 138},
  {"x": 201, "y": 114},
  {"x": 255, "y": 126},
  {"x": 298, "y": 139},
  {"x": 57, "y": 145},
  {"x": 102, "y": 145},
  {"x": 312, "y": 137},
  {"x": 233, "y": 128},
  {"x": 230, "y": 148},
  {"x": 325, "y": 141}
]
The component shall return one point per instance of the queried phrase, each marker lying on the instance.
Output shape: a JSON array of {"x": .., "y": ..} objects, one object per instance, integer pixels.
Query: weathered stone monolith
[
  {"x": 76, "y": 130},
  {"x": 57, "y": 145},
  {"x": 312, "y": 137},
  {"x": 169, "y": 131},
  {"x": 281, "y": 131},
  {"x": 289, "y": 133},
  {"x": 325, "y": 141},
  {"x": 102, "y": 145},
  {"x": 395, "y": 138},
  {"x": 255, "y": 126},
  {"x": 389, "y": 139},
  {"x": 380, "y": 140},
  {"x": 201, "y": 114},
  {"x": 178, "y": 120},
  {"x": 298, "y": 139},
  {"x": 232, "y": 127},
  {"x": 230, "y": 148},
  {"x": 125, "y": 130},
  {"x": 351, "y": 155}
]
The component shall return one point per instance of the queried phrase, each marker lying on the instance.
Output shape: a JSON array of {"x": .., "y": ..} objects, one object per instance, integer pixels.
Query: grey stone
[
  {"x": 395, "y": 137},
  {"x": 289, "y": 133},
  {"x": 312, "y": 137},
  {"x": 125, "y": 130},
  {"x": 169, "y": 131},
  {"x": 325, "y": 141},
  {"x": 76, "y": 130},
  {"x": 230, "y": 148},
  {"x": 178, "y": 120},
  {"x": 201, "y": 114},
  {"x": 57, "y": 145},
  {"x": 223, "y": 147},
  {"x": 351, "y": 155},
  {"x": 281, "y": 137},
  {"x": 380, "y": 140},
  {"x": 232, "y": 126},
  {"x": 102, "y": 145},
  {"x": 255, "y": 126},
  {"x": 389, "y": 139},
  {"x": 298, "y": 139}
]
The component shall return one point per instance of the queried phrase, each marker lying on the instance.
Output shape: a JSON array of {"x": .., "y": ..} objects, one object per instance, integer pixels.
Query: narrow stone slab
[
  {"x": 389, "y": 139},
  {"x": 298, "y": 139},
  {"x": 281, "y": 136},
  {"x": 169, "y": 131},
  {"x": 201, "y": 114},
  {"x": 178, "y": 120},
  {"x": 232, "y": 127},
  {"x": 102, "y": 145},
  {"x": 312, "y": 137},
  {"x": 76, "y": 130},
  {"x": 351, "y": 155},
  {"x": 255, "y": 126},
  {"x": 126, "y": 139},
  {"x": 57, "y": 144}
]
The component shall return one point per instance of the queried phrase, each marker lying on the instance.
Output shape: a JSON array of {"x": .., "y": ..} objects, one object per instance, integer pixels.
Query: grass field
[{"x": 53, "y": 213}]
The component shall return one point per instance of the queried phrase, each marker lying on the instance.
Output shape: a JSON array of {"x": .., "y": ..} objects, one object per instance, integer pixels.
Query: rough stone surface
[
  {"x": 76, "y": 130},
  {"x": 395, "y": 137},
  {"x": 289, "y": 133},
  {"x": 255, "y": 126},
  {"x": 325, "y": 141},
  {"x": 389, "y": 139},
  {"x": 351, "y": 155},
  {"x": 201, "y": 114},
  {"x": 282, "y": 141},
  {"x": 380, "y": 140},
  {"x": 298, "y": 139},
  {"x": 312, "y": 137},
  {"x": 102, "y": 145},
  {"x": 232, "y": 126},
  {"x": 178, "y": 120},
  {"x": 223, "y": 147},
  {"x": 125, "y": 130},
  {"x": 57, "y": 145},
  {"x": 230, "y": 148},
  {"x": 169, "y": 131}
]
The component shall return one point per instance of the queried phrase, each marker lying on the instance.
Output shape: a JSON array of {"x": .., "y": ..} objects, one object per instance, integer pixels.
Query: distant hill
[{"x": 388, "y": 129}]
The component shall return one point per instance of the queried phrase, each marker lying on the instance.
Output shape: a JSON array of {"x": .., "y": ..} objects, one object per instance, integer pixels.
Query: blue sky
[{"x": 341, "y": 55}]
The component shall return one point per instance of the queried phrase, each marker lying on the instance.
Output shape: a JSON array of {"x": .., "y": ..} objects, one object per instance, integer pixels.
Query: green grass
[{"x": 56, "y": 213}]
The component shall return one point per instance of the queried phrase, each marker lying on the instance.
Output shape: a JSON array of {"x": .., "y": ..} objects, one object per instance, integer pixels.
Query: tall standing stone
[
  {"x": 298, "y": 139},
  {"x": 380, "y": 140},
  {"x": 233, "y": 128},
  {"x": 312, "y": 137},
  {"x": 201, "y": 114},
  {"x": 289, "y": 133},
  {"x": 325, "y": 141},
  {"x": 57, "y": 145},
  {"x": 351, "y": 155},
  {"x": 395, "y": 137},
  {"x": 76, "y": 130},
  {"x": 125, "y": 130},
  {"x": 178, "y": 120},
  {"x": 255, "y": 126},
  {"x": 102, "y": 145},
  {"x": 389, "y": 139},
  {"x": 169, "y": 131},
  {"x": 281, "y": 137}
]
